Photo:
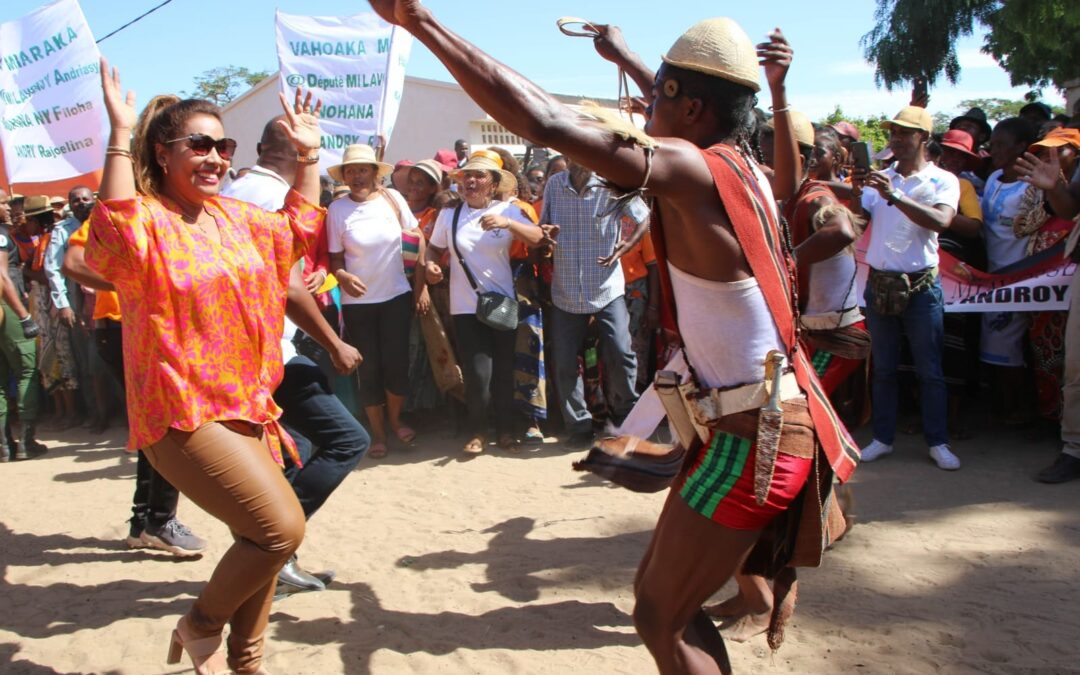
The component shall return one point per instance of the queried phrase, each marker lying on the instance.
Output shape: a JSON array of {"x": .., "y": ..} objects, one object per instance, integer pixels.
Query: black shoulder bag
[{"x": 493, "y": 309}]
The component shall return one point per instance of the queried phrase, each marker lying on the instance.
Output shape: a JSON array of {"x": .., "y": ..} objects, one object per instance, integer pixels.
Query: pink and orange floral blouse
[{"x": 202, "y": 322}]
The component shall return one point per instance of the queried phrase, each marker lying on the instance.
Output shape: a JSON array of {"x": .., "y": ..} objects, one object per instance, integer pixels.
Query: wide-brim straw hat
[
  {"x": 431, "y": 169},
  {"x": 911, "y": 117},
  {"x": 35, "y": 204},
  {"x": 486, "y": 160},
  {"x": 804, "y": 128},
  {"x": 359, "y": 154},
  {"x": 717, "y": 47}
]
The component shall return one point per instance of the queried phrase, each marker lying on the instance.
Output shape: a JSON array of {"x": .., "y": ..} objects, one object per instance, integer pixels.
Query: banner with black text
[
  {"x": 1039, "y": 283},
  {"x": 52, "y": 116}
]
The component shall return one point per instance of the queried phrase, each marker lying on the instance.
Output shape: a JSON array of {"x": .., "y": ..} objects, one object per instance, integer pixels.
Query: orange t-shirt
[
  {"x": 518, "y": 249},
  {"x": 635, "y": 263},
  {"x": 107, "y": 303}
]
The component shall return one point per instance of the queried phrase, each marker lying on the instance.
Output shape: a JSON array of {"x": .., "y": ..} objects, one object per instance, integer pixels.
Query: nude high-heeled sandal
[{"x": 206, "y": 654}]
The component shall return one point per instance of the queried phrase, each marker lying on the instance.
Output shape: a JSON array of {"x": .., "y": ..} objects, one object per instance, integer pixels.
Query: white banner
[
  {"x": 1035, "y": 284},
  {"x": 52, "y": 116},
  {"x": 355, "y": 64}
]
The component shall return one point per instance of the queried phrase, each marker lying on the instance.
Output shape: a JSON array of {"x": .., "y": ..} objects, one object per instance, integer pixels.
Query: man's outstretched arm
[{"x": 527, "y": 110}]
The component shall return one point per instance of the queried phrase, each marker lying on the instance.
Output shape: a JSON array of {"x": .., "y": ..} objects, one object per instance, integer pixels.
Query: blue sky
[{"x": 167, "y": 50}]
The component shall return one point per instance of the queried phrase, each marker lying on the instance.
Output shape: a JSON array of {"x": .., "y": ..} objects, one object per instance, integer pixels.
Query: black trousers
[
  {"x": 380, "y": 331},
  {"x": 155, "y": 499},
  {"x": 328, "y": 438},
  {"x": 487, "y": 364}
]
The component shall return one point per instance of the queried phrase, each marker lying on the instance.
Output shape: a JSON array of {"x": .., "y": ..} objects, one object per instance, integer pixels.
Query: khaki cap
[
  {"x": 717, "y": 47},
  {"x": 912, "y": 117}
]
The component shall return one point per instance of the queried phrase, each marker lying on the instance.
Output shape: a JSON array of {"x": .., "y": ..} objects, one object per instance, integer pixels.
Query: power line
[{"x": 135, "y": 20}]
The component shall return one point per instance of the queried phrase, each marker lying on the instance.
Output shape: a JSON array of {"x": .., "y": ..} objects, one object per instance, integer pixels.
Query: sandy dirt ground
[{"x": 512, "y": 563}]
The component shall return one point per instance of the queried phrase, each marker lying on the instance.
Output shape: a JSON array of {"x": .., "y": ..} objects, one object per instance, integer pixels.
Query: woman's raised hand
[
  {"x": 301, "y": 123},
  {"x": 121, "y": 109}
]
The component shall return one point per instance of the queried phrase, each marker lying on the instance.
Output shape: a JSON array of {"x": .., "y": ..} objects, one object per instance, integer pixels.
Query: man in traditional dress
[{"x": 720, "y": 255}]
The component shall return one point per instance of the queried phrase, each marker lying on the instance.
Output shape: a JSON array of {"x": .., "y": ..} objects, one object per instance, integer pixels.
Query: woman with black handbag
[{"x": 483, "y": 303}]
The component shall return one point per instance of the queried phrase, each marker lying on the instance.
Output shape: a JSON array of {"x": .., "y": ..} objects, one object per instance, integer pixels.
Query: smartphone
[{"x": 860, "y": 155}]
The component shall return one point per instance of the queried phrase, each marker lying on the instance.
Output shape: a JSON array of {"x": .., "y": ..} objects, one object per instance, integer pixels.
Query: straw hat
[
  {"x": 359, "y": 154},
  {"x": 57, "y": 201},
  {"x": 804, "y": 128},
  {"x": 717, "y": 47},
  {"x": 431, "y": 169},
  {"x": 911, "y": 117},
  {"x": 36, "y": 204},
  {"x": 486, "y": 160}
]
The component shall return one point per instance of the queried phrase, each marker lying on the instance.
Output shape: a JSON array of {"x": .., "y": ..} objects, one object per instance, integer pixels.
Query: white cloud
[
  {"x": 854, "y": 67},
  {"x": 973, "y": 58}
]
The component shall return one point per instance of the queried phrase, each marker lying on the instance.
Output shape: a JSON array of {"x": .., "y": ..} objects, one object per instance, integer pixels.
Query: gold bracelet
[
  {"x": 308, "y": 159},
  {"x": 118, "y": 151}
]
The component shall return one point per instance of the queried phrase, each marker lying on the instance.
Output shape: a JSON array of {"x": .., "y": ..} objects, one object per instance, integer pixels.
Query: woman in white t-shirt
[
  {"x": 364, "y": 232},
  {"x": 485, "y": 229}
]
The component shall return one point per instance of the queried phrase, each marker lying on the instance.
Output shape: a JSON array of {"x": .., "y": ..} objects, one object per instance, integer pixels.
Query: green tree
[
  {"x": 914, "y": 41},
  {"x": 1036, "y": 41},
  {"x": 222, "y": 85},
  {"x": 870, "y": 129},
  {"x": 997, "y": 109}
]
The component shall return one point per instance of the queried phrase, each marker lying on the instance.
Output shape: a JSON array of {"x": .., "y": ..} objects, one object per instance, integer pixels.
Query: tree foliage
[
  {"x": 997, "y": 109},
  {"x": 914, "y": 41},
  {"x": 222, "y": 85},
  {"x": 1036, "y": 41},
  {"x": 870, "y": 129}
]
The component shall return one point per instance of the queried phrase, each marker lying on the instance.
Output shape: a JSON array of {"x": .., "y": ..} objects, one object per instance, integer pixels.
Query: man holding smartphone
[
  {"x": 587, "y": 282},
  {"x": 908, "y": 204}
]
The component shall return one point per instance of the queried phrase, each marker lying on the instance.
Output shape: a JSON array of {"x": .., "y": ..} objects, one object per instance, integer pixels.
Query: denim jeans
[
  {"x": 329, "y": 440},
  {"x": 924, "y": 323},
  {"x": 616, "y": 357}
]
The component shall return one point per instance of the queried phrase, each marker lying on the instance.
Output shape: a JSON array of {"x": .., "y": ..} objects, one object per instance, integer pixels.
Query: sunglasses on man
[{"x": 201, "y": 145}]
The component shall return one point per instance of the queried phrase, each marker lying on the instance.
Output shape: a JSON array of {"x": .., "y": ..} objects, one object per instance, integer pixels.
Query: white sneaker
[
  {"x": 944, "y": 457},
  {"x": 876, "y": 450}
]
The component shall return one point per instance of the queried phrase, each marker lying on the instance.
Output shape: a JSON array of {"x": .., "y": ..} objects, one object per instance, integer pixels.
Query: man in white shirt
[
  {"x": 328, "y": 438},
  {"x": 908, "y": 204}
]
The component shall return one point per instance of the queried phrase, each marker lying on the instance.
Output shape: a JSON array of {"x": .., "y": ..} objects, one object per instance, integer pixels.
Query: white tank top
[
  {"x": 726, "y": 328},
  {"x": 832, "y": 290}
]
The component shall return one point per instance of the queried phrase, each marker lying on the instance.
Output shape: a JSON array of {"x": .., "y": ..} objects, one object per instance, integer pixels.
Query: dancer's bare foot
[
  {"x": 733, "y": 607},
  {"x": 741, "y": 629}
]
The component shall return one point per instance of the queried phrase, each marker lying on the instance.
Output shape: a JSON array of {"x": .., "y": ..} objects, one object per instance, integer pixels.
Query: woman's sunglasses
[{"x": 201, "y": 145}]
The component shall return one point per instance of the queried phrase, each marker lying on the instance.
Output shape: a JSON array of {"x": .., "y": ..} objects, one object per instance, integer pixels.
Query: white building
[{"x": 433, "y": 115}]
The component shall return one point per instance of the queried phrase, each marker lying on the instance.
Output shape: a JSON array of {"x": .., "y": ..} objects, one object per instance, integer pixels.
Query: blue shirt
[
  {"x": 54, "y": 260},
  {"x": 590, "y": 225}
]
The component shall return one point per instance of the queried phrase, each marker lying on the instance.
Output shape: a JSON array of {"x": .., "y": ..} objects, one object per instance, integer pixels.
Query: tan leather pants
[{"x": 232, "y": 476}]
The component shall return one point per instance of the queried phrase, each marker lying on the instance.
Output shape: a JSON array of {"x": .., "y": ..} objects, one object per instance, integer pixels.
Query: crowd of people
[{"x": 269, "y": 326}]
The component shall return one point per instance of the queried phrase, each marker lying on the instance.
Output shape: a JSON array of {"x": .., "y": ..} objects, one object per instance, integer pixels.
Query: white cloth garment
[
  {"x": 486, "y": 253},
  {"x": 369, "y": 233}
]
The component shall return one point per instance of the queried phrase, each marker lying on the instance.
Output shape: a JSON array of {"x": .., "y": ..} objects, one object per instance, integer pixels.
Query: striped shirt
[{"x": 590, "y": 225}]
